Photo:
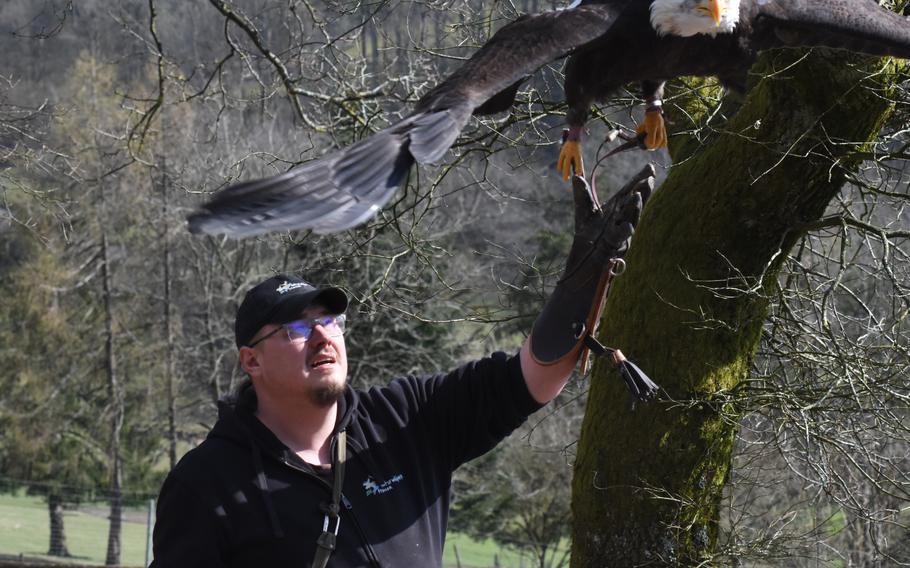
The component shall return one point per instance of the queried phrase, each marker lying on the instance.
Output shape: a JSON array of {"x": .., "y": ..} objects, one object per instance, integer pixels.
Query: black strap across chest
[{"x": 325, "y": 544}]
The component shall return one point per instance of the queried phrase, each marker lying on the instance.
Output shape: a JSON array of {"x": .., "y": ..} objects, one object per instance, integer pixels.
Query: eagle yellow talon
[
  {"x": 654, "y": 129},
  {"x": 570, "y": 159}
]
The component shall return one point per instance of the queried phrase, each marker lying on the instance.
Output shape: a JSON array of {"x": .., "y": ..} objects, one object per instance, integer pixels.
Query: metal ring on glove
[
  {"x": 618, "y": 266},
  {"x": 579, "y": 329}
]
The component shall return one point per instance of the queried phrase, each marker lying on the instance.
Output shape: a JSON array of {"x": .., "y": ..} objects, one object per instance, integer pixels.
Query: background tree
[
  {"x": 519, "y": 494},
  {"x": 46, "y": 423},
  {"x": 42, "y": 413}
]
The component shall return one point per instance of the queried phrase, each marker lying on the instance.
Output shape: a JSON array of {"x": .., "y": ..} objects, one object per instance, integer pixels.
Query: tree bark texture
[
  {"x": 648, "y": 481},
  {"x": 57, "y": 546},
  {"x": 115, "y": 392},
  {"x": 170, "y": 343}
]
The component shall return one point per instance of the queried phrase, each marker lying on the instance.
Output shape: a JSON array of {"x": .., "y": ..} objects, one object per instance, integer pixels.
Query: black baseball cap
[{"x": 280, "y": 299}]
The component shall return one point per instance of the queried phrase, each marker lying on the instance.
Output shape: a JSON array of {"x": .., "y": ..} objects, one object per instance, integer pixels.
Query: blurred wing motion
[
  {"x": 327, "y": 195},
  {"x": 347, "y": 187}
]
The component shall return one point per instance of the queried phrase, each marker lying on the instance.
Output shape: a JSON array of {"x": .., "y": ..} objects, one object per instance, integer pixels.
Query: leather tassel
[{"x": 639, "y": 384}]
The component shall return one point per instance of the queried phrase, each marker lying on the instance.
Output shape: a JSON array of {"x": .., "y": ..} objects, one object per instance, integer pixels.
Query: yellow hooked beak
[{"x": 716, "y": 9}]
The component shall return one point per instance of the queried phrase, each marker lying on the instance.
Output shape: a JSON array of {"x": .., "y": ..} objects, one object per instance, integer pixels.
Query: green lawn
[
  {"x": 24, "y": 530},
  {"x": 474, "y": 554}
]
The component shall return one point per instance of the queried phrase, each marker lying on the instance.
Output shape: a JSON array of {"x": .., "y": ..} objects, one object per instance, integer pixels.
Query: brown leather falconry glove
[{"x": 566, "y": 326}]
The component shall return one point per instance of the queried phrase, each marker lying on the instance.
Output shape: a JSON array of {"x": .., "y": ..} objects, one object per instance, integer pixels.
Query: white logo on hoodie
[{"x": 370, "y": 487}]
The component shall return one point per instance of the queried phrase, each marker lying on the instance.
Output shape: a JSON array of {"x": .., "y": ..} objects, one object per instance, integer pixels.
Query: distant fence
[{"x": 25, "y": 533}]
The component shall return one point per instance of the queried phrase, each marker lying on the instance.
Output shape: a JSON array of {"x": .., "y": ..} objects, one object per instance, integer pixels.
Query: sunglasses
[{"x": 333, "y": 326}]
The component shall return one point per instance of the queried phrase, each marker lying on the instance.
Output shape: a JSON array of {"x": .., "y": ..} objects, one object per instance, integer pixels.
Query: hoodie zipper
[{"x": 374, "y": 560}]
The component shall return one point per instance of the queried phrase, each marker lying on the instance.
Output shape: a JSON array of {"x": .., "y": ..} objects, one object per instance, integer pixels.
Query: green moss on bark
[{"x": 690, "y": 307}]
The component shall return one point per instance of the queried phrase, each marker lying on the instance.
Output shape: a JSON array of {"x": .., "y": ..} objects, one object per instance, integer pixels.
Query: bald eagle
[{"x": 609, "y": 43}]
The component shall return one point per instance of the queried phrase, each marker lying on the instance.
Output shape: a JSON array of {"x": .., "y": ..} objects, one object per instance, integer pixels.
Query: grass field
[
  {"x": 474, "y": 554},
  {"x": 24, "y": 530}
]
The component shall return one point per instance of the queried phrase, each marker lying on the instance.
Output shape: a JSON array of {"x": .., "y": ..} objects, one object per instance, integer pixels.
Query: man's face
[{"x": 282, "y": 368}]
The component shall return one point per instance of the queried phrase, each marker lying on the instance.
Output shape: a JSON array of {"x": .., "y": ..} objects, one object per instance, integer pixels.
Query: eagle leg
[
  {"x": 570, "y": 158},
  {"x": 653, "y": 128}
]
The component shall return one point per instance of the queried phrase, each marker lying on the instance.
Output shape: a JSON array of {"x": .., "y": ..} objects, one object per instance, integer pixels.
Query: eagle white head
[{"x": 691, "y": 17}]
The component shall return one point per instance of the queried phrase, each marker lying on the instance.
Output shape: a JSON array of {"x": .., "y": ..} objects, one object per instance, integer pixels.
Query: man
[{"x": 301, "y": 470}]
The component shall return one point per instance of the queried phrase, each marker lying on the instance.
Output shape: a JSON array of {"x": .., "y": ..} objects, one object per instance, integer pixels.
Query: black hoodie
[{"x": 242, "y": 498}]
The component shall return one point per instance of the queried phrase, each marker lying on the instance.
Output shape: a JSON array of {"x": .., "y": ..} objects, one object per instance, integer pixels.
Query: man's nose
[{"x": 319, "y": 335}]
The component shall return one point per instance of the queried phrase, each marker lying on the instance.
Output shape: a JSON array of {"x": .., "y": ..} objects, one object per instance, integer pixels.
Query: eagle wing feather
[{"x": 858, "y": 25}]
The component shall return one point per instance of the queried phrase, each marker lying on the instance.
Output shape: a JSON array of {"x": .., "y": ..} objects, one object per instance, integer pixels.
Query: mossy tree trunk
[{"x": 689, "y": 309}]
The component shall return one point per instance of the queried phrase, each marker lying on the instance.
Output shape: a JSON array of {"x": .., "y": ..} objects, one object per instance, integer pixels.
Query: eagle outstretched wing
[
  {"x": 348, "y": 186},
  {"x": 861, "y": 26}
]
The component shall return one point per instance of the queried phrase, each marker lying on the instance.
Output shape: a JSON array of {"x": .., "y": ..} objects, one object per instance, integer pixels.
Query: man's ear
[{"x": 249, "y": 361}]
